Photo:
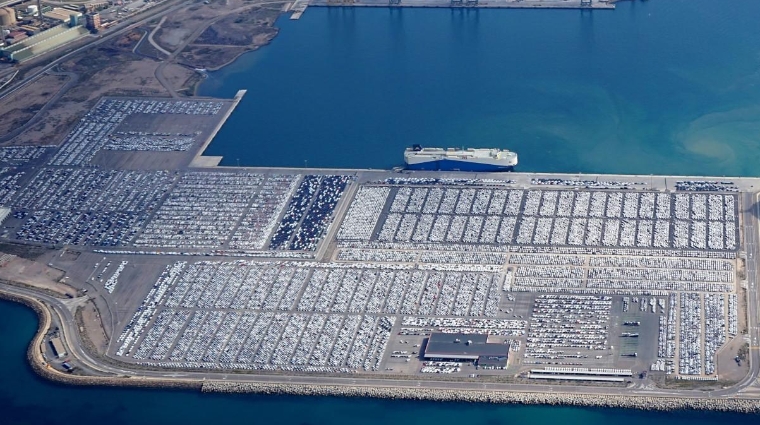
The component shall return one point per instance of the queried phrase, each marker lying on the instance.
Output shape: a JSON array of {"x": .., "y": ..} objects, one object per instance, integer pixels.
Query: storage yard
[{"x": 603, "y": 279}]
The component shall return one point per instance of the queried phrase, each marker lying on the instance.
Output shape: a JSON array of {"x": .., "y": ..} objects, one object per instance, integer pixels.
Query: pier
[
  {"x": 492, "y": 4},
  {"x": 298, "y": 8},
  {"x": 212, "y": 161}
]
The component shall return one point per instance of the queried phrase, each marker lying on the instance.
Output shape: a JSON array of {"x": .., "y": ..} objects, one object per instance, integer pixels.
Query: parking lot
[
  {"x": 389, "y": 276},
  {"x": 601, "y": 272},
  {"x": 543, "y": 217},
  {"x": 138, "y": 125}
]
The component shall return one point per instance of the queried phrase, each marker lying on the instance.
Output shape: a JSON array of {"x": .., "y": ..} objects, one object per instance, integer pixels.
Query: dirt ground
[
  {"x": 180, "y": 77},
  {"x": 224, "y": 29},
  {"x": 93, "y": 326},
  {"x": 236, "y": 26},
  {"x": 728, "y": 368},
  {"x": 109, "y": 70},
  {"x": 206, "y": 57},
  {"x": 24, "y": 251},
  {"x": 231, "y": 36},
  {"x": 182, "y": 24},
  {"x": 34, "y": 274},
  {"x": 25, "y": 103},
  {"x": 241, "y": 29}
]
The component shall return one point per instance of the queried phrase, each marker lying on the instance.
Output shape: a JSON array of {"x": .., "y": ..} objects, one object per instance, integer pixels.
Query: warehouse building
[
  {"x": 57, "y": 346},
  {"x": 464, "y": 347}
]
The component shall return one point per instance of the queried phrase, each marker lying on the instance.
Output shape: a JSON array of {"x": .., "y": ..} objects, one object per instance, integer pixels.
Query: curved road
[{"x": 70, "y": 335}]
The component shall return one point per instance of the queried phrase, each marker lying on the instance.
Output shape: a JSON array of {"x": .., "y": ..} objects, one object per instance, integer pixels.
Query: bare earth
[
  {"x": 199, "y": 36},
  {"x": 35, "y": 274},
  {"x": 25, "y": 103}
]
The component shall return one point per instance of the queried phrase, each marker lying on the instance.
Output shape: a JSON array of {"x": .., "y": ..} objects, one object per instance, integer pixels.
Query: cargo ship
[{"x": 438, "y": 159}]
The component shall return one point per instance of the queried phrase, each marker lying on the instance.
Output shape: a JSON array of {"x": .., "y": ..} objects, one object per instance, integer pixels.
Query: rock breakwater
[
  {"x": 42, "y": 369},
  {"x": 500, "y": 397}
]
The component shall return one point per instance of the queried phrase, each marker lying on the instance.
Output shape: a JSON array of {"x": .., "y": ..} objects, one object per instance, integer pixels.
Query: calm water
[{"x": 663, "y": 86}]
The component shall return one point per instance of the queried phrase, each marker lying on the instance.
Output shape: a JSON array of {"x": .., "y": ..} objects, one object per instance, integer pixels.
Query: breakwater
[
  {"x": 41, "y": 368},
  {"x": 494, "y": 397},
  {"x": 650, "y": 403}
]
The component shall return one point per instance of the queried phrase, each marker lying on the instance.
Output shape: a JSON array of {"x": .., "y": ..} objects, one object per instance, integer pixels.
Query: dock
[
  {"x": 212, "y": 161},
  {"x": 298, "y": 8},
  {"x": 484, "y": 4}
]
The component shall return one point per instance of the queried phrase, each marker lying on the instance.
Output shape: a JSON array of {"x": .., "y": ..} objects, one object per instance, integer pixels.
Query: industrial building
[
  {"x": 492, "y": 362},
  {"x": 93, "y": 21},
  {"x": 7, "y": 17},
  {"x": 4, "y": 213},
  {"x": 63, "y": 15},
  {"x": 57, "y": 346},
  {"x": 581, "y": 374},
  {"x": 23, "y": 47},
  {"x": 464, "y": 347}
]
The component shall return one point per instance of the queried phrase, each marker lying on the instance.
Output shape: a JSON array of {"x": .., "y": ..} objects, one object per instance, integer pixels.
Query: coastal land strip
[{"x": 441, "y": 394}]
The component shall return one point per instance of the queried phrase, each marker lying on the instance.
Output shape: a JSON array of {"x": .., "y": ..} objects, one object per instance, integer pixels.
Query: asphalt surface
[{"x": 64, "y": 316}]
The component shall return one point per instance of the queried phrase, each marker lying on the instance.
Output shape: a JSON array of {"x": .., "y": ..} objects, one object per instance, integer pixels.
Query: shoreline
[
  {"x": 40, "y": 368},
  {"x": 646, "y": 403},
  {"x": 485, "y": 5},
  {"x": 610, "y": 5},
  {"x": 637, "y": 402},
  {"x": 253, "y": 48},
  {"x": 47, "y": 311}
]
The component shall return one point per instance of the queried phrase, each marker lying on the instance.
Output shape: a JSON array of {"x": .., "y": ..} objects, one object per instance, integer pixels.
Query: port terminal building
[
  {"x": 466, "y": 348},
  {"x": 581, "y": 374}
]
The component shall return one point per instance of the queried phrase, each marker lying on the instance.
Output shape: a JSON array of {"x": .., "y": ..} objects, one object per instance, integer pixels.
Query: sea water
[{"x": 654, "y": 87}]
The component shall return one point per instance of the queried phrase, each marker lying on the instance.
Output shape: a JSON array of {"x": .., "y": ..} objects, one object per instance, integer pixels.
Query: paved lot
[{"x": 351, "y": 270}]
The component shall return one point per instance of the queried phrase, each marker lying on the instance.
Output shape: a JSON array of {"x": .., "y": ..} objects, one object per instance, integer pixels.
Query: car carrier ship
[{"x": 451, "y": 159}]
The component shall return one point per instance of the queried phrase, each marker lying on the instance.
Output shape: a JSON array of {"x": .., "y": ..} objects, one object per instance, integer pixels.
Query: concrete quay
[
  {"x": 213, "y": 161},
  {"x": 483, "y": 4}
]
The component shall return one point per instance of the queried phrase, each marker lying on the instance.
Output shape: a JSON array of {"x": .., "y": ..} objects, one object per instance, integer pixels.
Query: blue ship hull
[{"x": 451, "y": 165}]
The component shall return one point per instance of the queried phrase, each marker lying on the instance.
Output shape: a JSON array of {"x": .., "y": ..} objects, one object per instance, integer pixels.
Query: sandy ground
[
  {"x": 93, "y": 327},
  {"x": 34, "y": 274},
  {"x": 728, "y": 369}
]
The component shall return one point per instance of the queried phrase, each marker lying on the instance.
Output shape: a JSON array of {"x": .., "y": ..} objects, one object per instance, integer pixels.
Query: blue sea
[
  {"x": 662, "y": 86},
  {"x": 654, "y": 87}
]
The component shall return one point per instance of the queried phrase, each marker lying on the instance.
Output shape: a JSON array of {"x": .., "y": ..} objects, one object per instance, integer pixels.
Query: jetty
[{"x": 492, "y": 4}]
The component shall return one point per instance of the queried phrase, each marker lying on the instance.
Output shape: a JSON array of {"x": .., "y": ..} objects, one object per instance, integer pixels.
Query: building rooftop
[
  {"x": 462, "y": 346},
  {"x": 492, "y": 361}
]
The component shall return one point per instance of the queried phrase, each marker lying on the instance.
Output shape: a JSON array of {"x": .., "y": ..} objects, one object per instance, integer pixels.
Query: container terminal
[{"x": 174, "y": 267}]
